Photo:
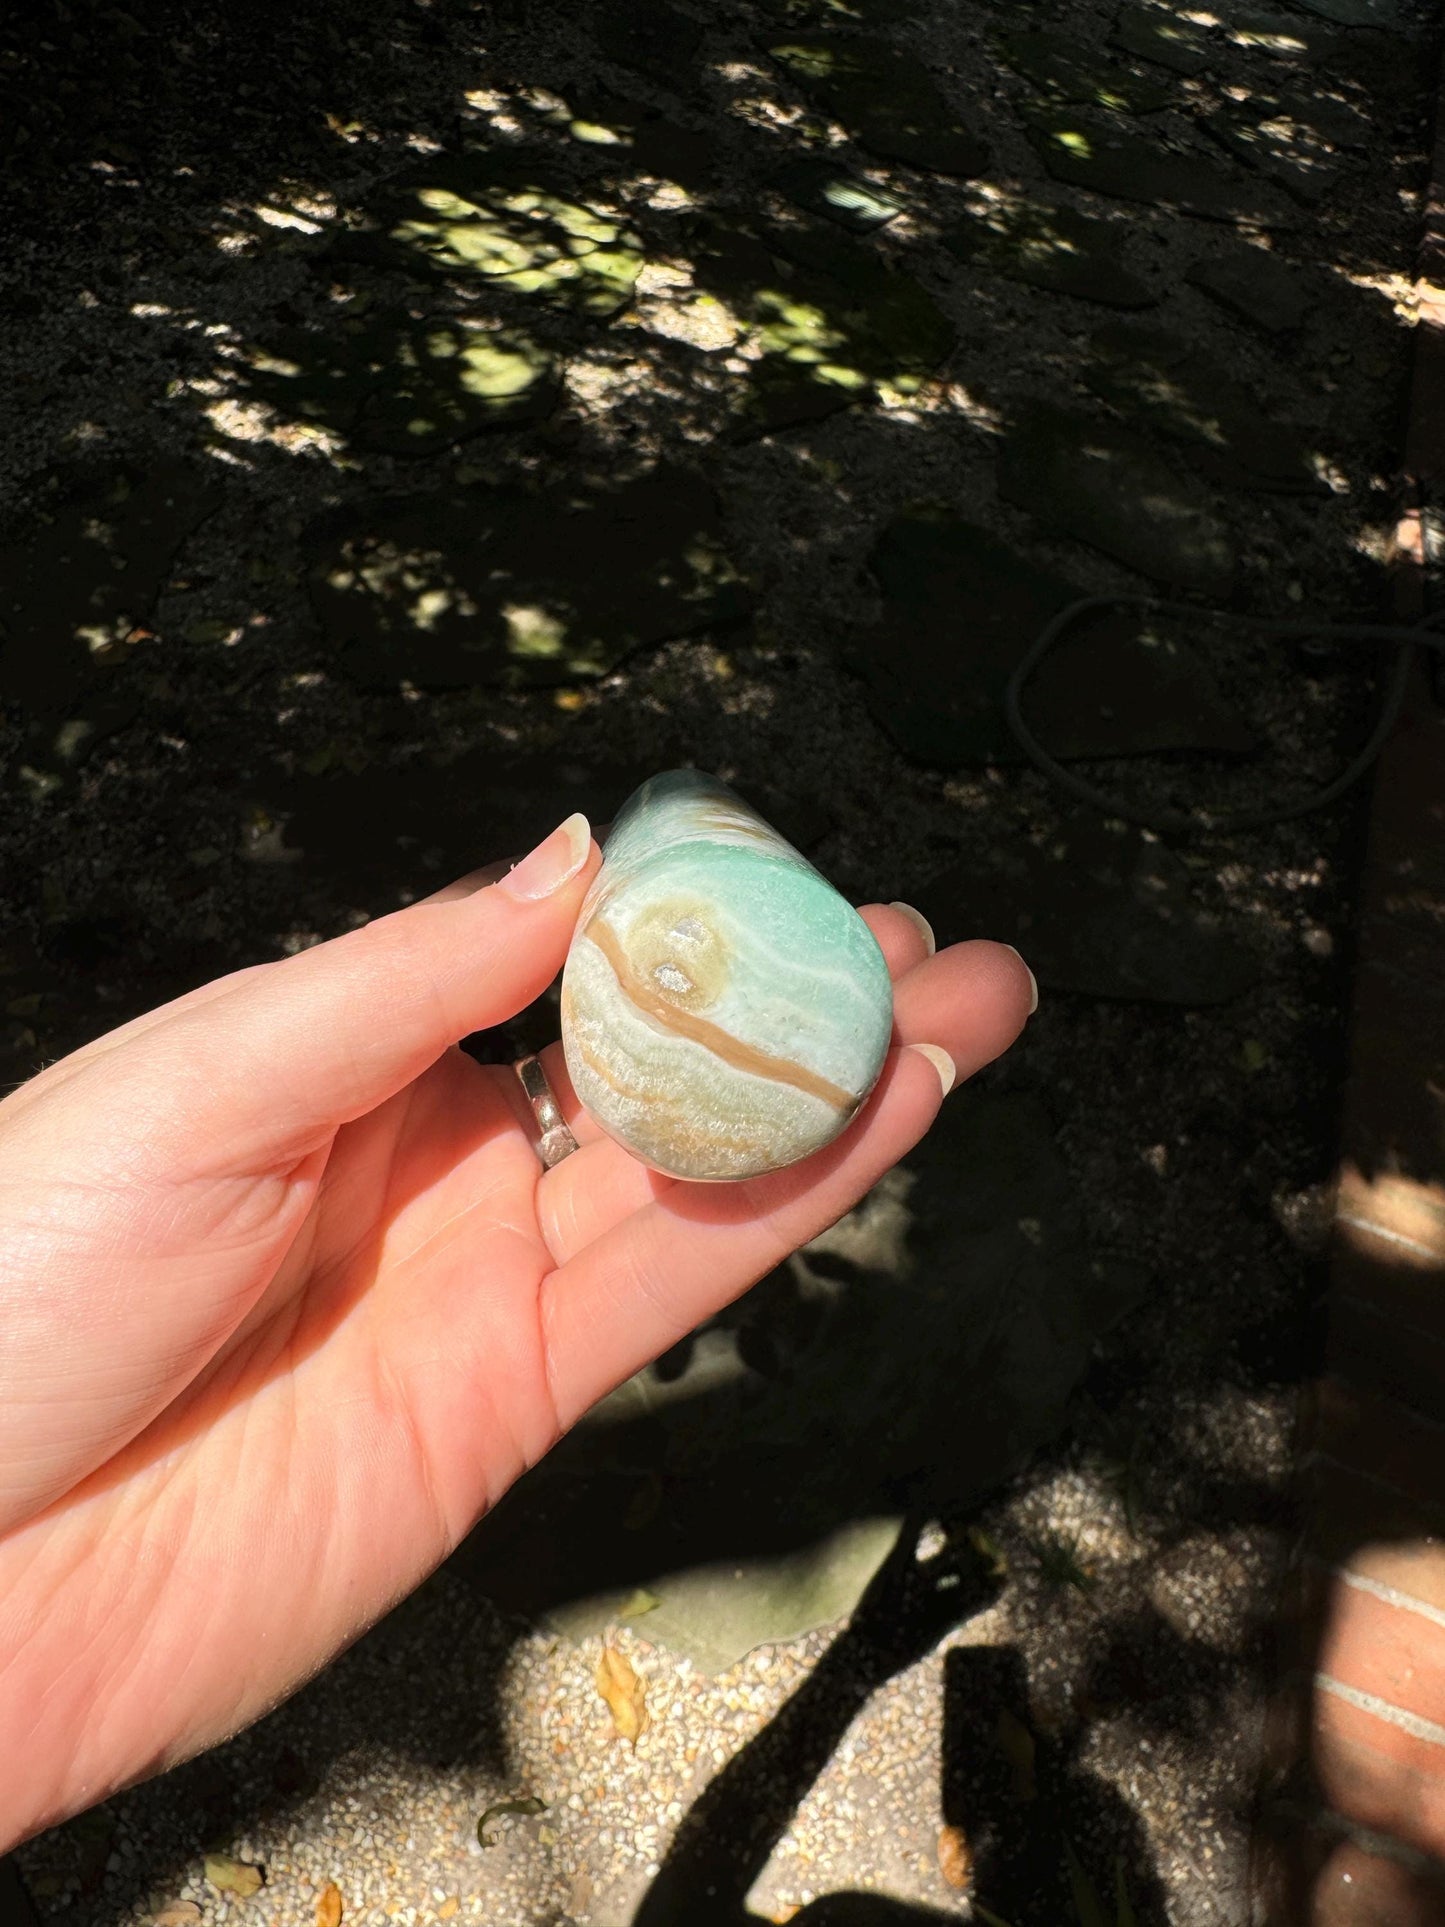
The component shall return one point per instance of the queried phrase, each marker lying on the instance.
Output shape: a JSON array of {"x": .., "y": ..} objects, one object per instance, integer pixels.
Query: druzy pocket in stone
[{"x": 724, "y": 1011}]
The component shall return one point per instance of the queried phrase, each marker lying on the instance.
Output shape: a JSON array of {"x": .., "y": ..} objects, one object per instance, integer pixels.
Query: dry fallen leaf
[
  {"x": 181, "y": 1913},
  {"x": 625, "y": 1692},
  {"x": 955, "y": 1858},
  {"x": 329, "y": 1907},
  {"x": 449, "y": 1908},
  {"x": 233, "y": 1876}
]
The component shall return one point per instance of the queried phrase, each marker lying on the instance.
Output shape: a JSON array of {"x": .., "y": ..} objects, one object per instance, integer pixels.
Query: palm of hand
[
  {"x": 386, "y": 1382},
  {"x": 340, "y": 1342}
]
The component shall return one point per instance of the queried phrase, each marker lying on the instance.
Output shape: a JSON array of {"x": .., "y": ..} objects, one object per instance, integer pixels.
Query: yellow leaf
[
  {"x": 329, "y": 1906},
  {"x": 955, "y": 1858},
  {"x": 182, "y": 1913},
  {"x": 230, "y": 1876},
  {"x": 625, "y": 1692},
  {"x": 449, "y": 1908}
]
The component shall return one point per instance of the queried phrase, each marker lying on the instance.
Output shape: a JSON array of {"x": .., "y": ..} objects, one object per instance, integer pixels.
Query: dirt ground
[{"x": 431, "y": 418}]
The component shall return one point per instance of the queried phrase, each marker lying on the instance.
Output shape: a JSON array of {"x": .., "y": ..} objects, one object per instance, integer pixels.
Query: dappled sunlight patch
[
  {"x": 516, "y": 588},
  {"x": 237, "y": 419},
  {"x": 1165, "y": 35},
  {"x": 1290, "y": 137},
  {"x": 593, "y": 133},
  {"x": 832, "y": 321},
  {"x": 1411, "y": 300},
  {"x": 1329, "y": 475},
  {"x": 532, "y": 241},
  {"x": 533, "y": 631},
  {"x": 279, "y": 217},
  {"x": 975, "y": 408},
  {"x": 850, "y": 13},
  {"x": 385, "y": 380},
  {"x": 699, "y": 319},
  {"x": 800, "y": 332}
]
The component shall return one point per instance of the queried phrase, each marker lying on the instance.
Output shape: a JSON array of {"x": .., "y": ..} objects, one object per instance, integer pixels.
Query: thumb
[{"x": 265, "y": 1070}]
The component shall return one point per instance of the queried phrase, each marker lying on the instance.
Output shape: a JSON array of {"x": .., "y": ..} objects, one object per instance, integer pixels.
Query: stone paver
[{"x": 1255, "y": 285}]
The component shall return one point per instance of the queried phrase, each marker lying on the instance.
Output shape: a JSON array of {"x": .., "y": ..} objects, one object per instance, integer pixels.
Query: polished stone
[{"x": 724, "y": 1011}]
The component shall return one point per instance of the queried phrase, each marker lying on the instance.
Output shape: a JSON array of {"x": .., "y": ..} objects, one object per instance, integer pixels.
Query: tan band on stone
[{"x": 555, "y": 1141}]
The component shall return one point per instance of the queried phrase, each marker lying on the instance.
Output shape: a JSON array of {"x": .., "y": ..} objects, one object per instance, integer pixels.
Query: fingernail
[
  {"x": 555, "y": 861},
  {"x": 941, "y": 1062},
  {"x": 475, "y": 880},
  {"x": 917, "y": 917},
  {"x": 1033, "y": 982}
]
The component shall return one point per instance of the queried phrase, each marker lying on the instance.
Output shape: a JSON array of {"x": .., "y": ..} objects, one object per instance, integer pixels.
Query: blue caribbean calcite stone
[{"x": 724, "y": 1011}]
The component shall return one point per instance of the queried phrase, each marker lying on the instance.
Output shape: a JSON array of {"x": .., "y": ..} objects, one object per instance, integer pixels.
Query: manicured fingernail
[
  {"x": 1033, "y": 982},
  {"x": 941, "y": 1062},
  {"x": 555, "y": 861},
  {"x": 917, "y": 917}
]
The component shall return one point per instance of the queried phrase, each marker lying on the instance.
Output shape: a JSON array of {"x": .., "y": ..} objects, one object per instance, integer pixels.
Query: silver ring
[{"x": 556, "y": 1140}]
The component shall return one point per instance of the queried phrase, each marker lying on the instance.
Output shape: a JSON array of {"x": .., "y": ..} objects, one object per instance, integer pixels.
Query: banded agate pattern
[{"x": 724, "y": 1011}]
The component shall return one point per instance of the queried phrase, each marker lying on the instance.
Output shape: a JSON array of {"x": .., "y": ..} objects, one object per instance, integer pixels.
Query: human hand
[{"x": 287, "y": 1302}]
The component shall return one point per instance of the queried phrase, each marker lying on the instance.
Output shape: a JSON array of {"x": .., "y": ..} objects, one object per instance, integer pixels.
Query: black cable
[{"x": 1170, "y": 822}]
